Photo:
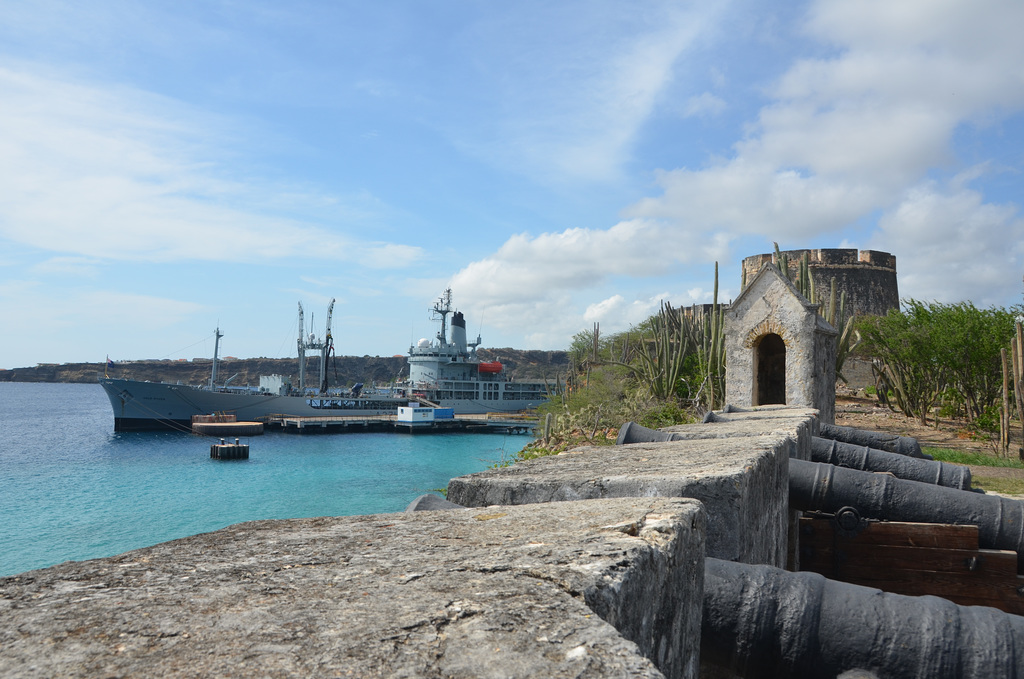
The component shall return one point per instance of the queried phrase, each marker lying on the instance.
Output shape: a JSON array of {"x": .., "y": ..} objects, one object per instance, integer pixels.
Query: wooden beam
[{"x": 914, "y": 559}]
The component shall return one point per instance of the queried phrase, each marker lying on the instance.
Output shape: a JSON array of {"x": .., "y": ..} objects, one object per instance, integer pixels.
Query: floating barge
[{"x": 221, "y": 424}]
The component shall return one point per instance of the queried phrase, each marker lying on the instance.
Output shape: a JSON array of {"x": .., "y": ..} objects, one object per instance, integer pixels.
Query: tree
[
  {"x": 969, "y": 346},
  {"x": 930, "y": 349}
]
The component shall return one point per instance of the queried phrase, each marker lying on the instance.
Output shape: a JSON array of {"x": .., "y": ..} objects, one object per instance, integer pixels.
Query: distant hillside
[{"x": 344, "y": 370}]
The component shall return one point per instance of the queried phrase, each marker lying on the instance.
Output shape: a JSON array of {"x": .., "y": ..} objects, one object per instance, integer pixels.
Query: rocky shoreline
[{"x": 343, "y": 370}]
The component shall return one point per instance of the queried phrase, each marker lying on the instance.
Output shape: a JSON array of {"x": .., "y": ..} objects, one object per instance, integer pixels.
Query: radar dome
[{"x": 424, "y": 343}]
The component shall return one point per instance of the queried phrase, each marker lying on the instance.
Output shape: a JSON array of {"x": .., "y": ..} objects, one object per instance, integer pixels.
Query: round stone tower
[{"x": 867, "y": 276}]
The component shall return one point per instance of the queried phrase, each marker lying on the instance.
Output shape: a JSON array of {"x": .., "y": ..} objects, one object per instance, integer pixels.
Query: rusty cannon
[
  {"x": 842, "y": 454},
  {"x": 891, "y": 443},
  {"x": 901, "y": 466},
  {"x": 816, "y": 486},
  {"x": 760, "y": 621}
]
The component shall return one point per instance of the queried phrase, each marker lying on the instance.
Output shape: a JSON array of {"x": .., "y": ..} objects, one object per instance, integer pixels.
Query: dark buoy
[{"x": 229, "y": 451}]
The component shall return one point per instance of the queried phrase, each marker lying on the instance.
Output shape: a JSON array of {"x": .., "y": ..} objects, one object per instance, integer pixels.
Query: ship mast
[
  {"x": 302, "y": 351},
  {"x": 443, "y": 307},
  {"x": 327, "y": 348},
  {"x": 216, "y": 349}
]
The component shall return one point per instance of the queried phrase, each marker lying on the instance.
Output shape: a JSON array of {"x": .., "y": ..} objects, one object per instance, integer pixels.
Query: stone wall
[
  {"x": 737, "y": 466},
  {"x": 867, "y": 276},
  {"x": 609, "y": 588}
]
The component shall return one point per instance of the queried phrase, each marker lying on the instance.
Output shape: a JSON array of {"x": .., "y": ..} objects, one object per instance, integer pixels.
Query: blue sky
[{"x": 168, "y": 167}]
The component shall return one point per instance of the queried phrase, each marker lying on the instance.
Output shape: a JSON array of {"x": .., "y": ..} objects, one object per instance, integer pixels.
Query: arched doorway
[{"x": 770, "y": 364}]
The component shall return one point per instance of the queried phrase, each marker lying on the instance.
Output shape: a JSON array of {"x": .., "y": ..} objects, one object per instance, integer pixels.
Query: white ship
[{"x": 442, "y": 373}]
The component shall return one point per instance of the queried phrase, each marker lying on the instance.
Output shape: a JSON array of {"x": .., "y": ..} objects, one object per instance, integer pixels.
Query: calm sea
[{"x": 72, "y": 489}]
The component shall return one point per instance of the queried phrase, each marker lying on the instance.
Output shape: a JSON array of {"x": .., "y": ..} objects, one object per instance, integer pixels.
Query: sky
[{"x": 168, "y": 168}]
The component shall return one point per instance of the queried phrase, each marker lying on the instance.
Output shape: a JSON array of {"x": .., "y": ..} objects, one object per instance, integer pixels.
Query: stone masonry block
[
  {"x": 743, "y": 482},
  {"x": 603, "y": 588},
  {"x": 799, "y": 422}
]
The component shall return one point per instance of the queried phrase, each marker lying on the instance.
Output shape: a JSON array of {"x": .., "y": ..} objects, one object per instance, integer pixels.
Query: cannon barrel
[
  {"x": 843, "y": 454},
  {"x": 631, "y": 432},
  {"x": 901, "y": 466},
  {"x": 891, "y": 443},
  {"x": 815, "y": 486},
  {"x": 760, "y": 621}
]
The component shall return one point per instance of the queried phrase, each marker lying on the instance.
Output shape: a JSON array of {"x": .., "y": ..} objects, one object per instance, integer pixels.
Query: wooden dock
[{"x": 490, "y": 423}]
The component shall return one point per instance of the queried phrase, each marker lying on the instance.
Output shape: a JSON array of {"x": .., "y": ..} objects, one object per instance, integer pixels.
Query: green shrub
[
  {"x": 666, "y": 415},
  {"x": 939, "y": 353}
]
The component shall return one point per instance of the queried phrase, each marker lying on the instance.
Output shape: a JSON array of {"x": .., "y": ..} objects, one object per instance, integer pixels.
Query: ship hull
[{"x": 145, "y": 406}]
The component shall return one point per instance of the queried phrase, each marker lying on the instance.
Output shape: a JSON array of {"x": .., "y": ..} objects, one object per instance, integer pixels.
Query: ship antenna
[{"x": 442, "y": 308}]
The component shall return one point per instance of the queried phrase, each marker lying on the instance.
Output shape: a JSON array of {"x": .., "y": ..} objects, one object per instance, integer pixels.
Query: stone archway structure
[{"x": 778, "y": 349}]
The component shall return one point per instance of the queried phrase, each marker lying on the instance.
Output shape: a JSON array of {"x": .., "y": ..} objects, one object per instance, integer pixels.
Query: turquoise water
[{"x": 72, "y": 489}]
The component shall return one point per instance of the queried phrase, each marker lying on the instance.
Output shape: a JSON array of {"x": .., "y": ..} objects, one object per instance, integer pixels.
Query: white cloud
[
  {"x": 80, "y": 267},
  {"x": 843, "y": 139},
  {"x": 849, "y": 135},
  {"x": 613, "y": 305},
  {"x": 62, "y": 322},
  {"x": 525, "y": 267},
  {"x": 617, "y": 314},
  {"x": 703, "y": 104},
  {"x": 537, "y": 276},
  {"x": 573, "y": 97},
  {"x": 120, "y": 174},
  {"x": 391, "y": 255},
  {"x": 953, "y": 245}
]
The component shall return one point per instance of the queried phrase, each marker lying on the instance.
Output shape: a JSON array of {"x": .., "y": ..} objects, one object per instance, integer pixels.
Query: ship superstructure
[{"x": 450, "y": 373}]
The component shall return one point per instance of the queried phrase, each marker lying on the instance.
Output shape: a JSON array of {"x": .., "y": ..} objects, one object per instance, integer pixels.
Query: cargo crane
[{"x": 305, "y": 344}]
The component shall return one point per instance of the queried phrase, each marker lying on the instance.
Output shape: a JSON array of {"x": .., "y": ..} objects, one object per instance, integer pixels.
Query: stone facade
[
  {"x": 778, "y": 349},
  {"x": 867, "y": 276}
]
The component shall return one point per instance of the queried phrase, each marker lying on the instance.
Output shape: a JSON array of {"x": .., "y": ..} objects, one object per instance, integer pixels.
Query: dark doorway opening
[{"x": 771, "y": 370}]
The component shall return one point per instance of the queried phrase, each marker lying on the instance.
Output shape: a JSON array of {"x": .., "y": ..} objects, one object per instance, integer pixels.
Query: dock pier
[
  {"x": 222, "y": 424},
  {"x": 487, "y": 423}
]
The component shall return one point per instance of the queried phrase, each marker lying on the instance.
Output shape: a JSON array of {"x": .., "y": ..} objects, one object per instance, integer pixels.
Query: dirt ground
[{"x": 865, "y": 413}]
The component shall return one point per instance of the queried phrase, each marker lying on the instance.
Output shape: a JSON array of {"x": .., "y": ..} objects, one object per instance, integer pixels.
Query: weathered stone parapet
[
  {"x": 602, "y": 588},
  {"x": 801, "y": 424},
  {"x": 742, "y": 477}
]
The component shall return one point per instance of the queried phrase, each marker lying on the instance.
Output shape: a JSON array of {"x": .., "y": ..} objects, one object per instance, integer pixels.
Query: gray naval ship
[{"x": 442, "y": 373}]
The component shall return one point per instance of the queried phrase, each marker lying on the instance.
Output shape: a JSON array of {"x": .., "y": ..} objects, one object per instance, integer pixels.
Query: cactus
[
  {"x": 1017, "y": 346},
  {"x": 781, "y": 261},
  {"x": 805, "y": 282},
  {"x": 711, "y": 331},
  {"x": 660, "y": 359}
]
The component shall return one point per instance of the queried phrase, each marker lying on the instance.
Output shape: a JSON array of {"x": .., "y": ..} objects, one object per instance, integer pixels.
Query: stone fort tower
[{"x": 868, "y": 277}]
